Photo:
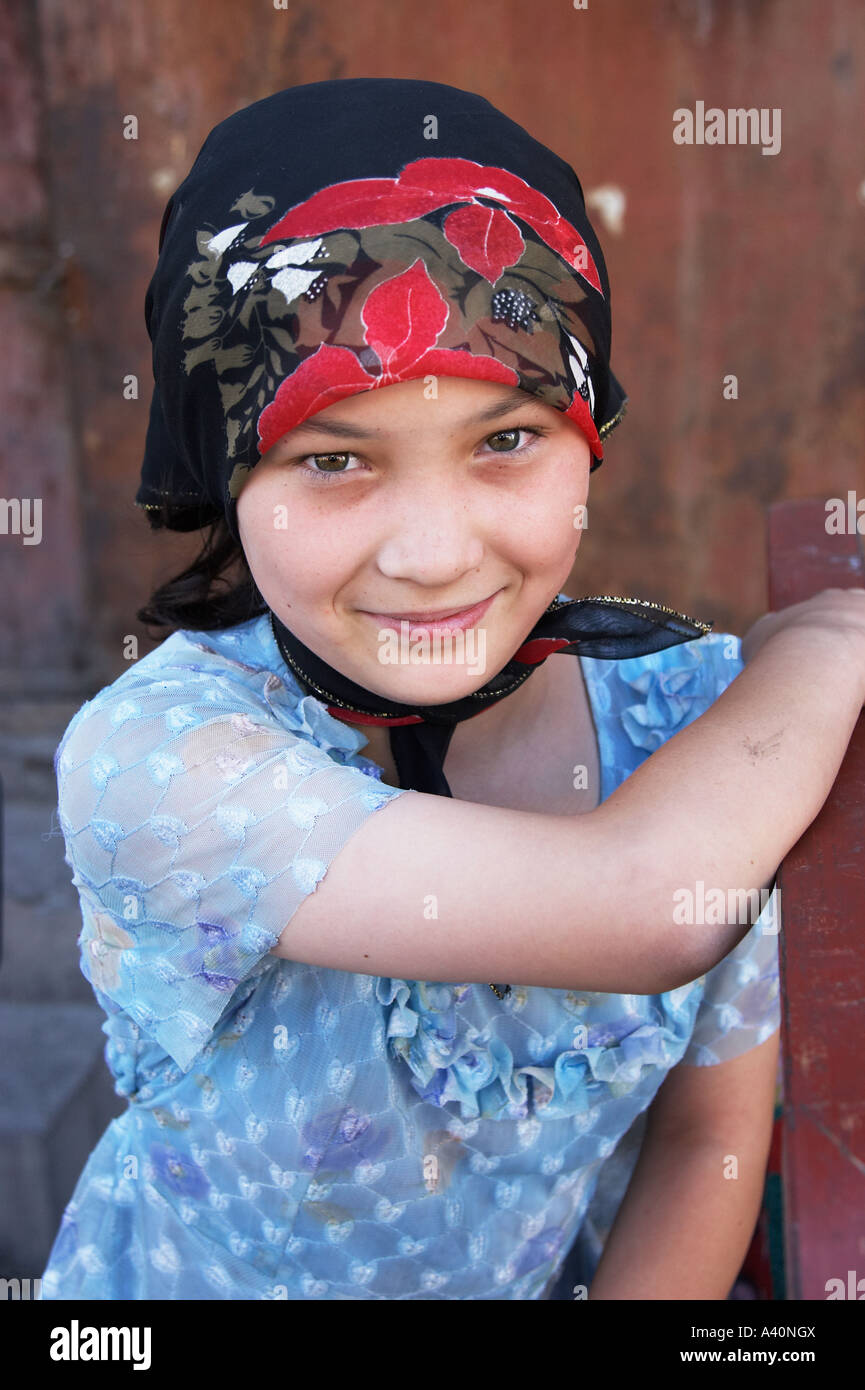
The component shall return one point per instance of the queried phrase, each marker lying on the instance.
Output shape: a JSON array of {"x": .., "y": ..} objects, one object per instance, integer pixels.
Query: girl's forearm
[
  {"x": 434, "y": 888},
  {"x": 727, "y": 797},
  {"x": 685, "y": 1223}
]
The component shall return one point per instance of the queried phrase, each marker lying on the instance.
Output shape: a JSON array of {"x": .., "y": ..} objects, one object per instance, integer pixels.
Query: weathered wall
[{"x": 726, "y": 261}]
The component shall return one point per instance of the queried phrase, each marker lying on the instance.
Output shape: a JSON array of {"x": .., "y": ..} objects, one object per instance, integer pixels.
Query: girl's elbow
[{"x": 677, "y": 962}]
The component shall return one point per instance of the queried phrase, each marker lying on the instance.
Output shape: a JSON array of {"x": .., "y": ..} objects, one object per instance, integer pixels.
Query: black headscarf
[
  {"x": 462, "y": 241},
  {"x": 341, "y": 236}
]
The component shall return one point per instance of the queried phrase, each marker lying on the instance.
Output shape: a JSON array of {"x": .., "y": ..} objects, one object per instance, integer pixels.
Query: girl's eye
[
  {"x": 330, "y": 469},
  {"x": 537, "y": 431},
  {"x": 331, "y": 464}
]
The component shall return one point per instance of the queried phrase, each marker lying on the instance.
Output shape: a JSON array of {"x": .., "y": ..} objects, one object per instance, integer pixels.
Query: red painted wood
[{"x": 822, "y": 885}]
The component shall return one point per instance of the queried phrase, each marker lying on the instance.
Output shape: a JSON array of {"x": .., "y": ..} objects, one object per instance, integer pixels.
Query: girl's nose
[{"x": 432, "y": 541}]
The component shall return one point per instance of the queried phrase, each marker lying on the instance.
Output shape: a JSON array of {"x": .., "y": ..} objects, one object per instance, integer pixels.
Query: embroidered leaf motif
[
  {"x": 487, "y": 240},
  {"x": 403, "y": 317},
  {"x": 389, "y": 280}
]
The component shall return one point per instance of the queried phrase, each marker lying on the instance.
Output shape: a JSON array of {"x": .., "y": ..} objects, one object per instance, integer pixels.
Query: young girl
[{"x": 381, "y": 333}]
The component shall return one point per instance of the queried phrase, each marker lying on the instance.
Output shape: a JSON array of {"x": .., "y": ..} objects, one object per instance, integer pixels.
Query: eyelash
[{"x": 539, "y": 431}]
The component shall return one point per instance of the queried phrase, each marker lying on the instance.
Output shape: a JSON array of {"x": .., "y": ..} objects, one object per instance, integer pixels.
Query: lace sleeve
[
  {"x": 741, "y": 1006},
  {"x": 196, "y": 823}
]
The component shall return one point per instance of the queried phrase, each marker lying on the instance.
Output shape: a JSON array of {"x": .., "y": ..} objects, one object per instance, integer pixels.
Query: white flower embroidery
[
  {"x": 291, "y": 281},
  {"x": 240, "y": 273},
  {"x": 223, "y": 240},
  {"x": 579, "y": 365}
]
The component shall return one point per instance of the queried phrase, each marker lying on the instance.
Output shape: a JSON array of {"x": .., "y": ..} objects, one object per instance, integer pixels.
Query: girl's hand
[{"x": 838, "y": 612}]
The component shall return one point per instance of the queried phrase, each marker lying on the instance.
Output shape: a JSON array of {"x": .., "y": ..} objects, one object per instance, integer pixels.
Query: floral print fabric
[
  {"x": 356, "y": 256},
  {"x": 434, "y": 278},
  {"x": 305, "y": 1133}
]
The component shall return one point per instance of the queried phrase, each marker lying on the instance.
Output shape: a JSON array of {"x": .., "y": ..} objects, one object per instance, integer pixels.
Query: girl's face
[{"x": 416, "y": 506}]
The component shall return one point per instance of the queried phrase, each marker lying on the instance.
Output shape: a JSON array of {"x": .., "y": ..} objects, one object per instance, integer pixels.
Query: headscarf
[{"x": 342, "y": 236}]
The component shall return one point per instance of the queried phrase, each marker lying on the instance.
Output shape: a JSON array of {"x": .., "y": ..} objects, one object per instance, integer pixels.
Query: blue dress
[{"x": 295, "y": 1132}]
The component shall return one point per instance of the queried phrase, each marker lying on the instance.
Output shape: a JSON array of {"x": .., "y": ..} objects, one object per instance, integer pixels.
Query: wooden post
[{"x": 822, "y": 885}]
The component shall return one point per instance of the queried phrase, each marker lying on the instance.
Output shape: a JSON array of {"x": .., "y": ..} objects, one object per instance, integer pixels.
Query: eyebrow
[{"x": 515, "y": 397}]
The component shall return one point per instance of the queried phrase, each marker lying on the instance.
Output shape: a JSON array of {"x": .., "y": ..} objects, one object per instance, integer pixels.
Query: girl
[{"x": 381, "y": 334}]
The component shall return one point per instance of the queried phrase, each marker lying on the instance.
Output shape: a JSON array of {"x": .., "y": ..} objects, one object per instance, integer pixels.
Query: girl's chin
[{"x": 424, "y": 684}]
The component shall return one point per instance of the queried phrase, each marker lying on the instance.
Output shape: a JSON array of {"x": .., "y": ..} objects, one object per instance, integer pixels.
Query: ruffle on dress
[
  {"x": 451, "y": 1060},
  {"x": 309, "y": 718}
]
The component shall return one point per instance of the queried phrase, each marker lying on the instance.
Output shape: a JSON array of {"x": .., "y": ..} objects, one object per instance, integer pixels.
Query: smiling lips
[{"x": 456, "y": 620}]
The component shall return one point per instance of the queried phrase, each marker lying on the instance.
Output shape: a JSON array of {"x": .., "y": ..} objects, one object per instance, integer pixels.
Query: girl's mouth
[{"x": 458, "y": 620}]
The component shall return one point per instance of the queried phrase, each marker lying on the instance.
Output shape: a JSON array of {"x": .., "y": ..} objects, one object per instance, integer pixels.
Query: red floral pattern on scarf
[
  {"x": 427, "y": 184},
  {"x": 403, "y": 318},
  {"x": 371, "y": 282}
]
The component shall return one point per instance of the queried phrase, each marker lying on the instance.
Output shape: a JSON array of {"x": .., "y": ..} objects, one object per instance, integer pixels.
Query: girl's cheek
[
  {"x": 284, "y": 538},
  {"x": 551, "y": 532},
  {"x": 289, "y": 553}
]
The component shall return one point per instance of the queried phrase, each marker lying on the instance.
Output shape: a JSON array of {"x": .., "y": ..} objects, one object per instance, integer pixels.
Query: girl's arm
[
  {"x": 430, "y": 888},
  {"x": 688, "y": 1216}
]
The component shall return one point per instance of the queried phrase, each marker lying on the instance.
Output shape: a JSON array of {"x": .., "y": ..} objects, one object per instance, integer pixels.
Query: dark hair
[{"x": 217, "y": 590}]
